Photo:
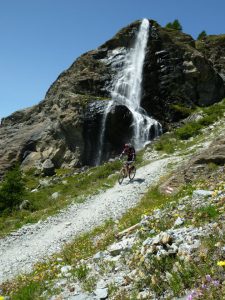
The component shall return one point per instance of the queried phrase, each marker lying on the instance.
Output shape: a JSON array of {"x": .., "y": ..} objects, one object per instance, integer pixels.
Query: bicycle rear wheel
[
  {"x": 121, "y": 176},
  {"x": 132, "y": 172}
]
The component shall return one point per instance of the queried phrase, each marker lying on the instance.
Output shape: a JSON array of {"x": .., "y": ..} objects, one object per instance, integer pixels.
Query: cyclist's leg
[
  {"x": 129, "y": 165},
  {"x": 126, "y": 165}
]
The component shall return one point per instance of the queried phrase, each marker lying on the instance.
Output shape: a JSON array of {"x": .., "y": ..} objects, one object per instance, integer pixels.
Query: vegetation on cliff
[{"x": 174, "y": 25}]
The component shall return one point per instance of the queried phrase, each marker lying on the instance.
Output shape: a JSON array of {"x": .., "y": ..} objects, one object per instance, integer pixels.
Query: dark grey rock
[{"x": 48, "y": 168}]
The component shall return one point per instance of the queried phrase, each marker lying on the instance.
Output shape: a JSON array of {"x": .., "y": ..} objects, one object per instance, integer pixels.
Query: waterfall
[
  {"x": 126, "y": 90},
  {"x": 102, "y": 133}
]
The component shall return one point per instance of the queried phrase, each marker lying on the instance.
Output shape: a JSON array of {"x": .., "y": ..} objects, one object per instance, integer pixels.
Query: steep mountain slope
[{"x": 65, "y": 127}]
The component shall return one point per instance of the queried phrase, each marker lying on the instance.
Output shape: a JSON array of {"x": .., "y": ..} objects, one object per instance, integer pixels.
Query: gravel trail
[{"x": 22, "y": 249}]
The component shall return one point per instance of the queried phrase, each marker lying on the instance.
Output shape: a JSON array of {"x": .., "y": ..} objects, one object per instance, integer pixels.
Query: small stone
[
  {"x": 202, "y": 193},
  {"x": 101, "y": 284},
  {"x": 101, "y": 293},
  {"x": 179, "y": 221},
  {"x": 124, "y": 245},
  {"x": 80, "y": 297},
  {"x": 24, "y": 205},
  {"x": 99, "y": 255},
  {"x": 59, "y": 259},
  {"x": 48, "y": 168},
  {"x": 219, "y": 244},
  {"x": 55, "y": 195},
  {"x": 66, "y": 269},
  {"x": 166, "y": 238},
  {"x": 143, "y": 295}
]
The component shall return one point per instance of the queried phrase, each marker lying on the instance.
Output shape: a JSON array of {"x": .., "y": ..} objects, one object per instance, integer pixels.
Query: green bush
[
  {"x": 175, "y": 25},
  {"x": 182, "y": 110},
  {"x": 188, "y": 130},
  {"x": 30, "y": 291},
  {"x": 165, "y": 143},
  {"x": 202, "y": 35},
  {"x": 207, "y": 212},
  {"x": 207, "y": 120},
  {"x": 216, "y": 110},
  {"x": 12, "y": 190}
]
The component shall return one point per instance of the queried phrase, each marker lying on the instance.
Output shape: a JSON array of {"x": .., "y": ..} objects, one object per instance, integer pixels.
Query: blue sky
[{"x": 41, "y": 38}]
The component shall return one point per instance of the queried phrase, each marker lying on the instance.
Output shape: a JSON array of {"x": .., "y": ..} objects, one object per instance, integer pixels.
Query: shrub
[
  {"x": 181, "y": 110},
  {"x": 175, "y": 25},
  {"x": 188, "y": 130},
  {"x": 81, "y": 272},
  {"x": 166, "y": 143},
  {"x": 207, "y": 120},
  {"x": 12, "y": 189},
  {"x": 207, "y": 212},
  {"x": 202, "y": 35}
]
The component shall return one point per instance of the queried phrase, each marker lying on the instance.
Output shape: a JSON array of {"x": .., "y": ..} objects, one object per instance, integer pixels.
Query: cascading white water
[
  {"x": 102, "y": 133},
  {"x": 128, "y": 85},
  {"x": 126, "y": 90}
]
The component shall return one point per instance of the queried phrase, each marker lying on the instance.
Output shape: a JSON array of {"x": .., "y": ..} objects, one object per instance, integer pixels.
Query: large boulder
[
  {"x": 214, "y": 154},
  {"x": 197, "y": 167}
]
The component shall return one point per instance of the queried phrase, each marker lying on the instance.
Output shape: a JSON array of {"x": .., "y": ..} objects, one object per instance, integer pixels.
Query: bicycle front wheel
[
  {"x": 121, "y": 176},
  {"x": 132, "y": 172}
]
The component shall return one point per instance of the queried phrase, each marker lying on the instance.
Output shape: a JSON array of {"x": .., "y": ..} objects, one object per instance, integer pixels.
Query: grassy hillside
[{"x": 197, "y": 275}]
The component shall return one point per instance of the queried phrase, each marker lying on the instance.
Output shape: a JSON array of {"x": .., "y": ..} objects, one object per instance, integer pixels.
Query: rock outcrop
[
  {"x": 213, "y": 48},
  {"x": 65, "y": 127},
  {"x": 176, "y": 74}
]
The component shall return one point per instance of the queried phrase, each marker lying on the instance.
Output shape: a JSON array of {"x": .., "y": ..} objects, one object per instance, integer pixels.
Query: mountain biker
[{"x": 131, "y": 155}]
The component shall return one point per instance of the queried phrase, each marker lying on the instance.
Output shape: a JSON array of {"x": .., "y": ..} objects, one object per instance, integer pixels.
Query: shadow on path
[{"x": 139, "y": 180}]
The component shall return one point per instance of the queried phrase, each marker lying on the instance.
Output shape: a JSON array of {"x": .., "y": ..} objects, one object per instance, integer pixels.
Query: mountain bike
[{"x": 126, "y": 171}]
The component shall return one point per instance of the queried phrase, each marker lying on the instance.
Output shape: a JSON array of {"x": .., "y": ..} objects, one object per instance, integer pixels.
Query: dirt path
[{"x": 20, "y": 250}]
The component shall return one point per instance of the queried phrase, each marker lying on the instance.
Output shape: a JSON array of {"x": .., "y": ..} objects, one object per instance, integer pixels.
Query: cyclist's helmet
[{"x": 126, "y": 145}]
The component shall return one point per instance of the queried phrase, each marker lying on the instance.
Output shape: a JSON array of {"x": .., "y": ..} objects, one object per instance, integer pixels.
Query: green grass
[
  {"x": 81, "y": 272},
  {"x": 166, "y": 143},
  {"x": 188, "y": 130},
  {"x": 42, "y": 205},
  {"x": 177, "y": 139},
  {"x": 30, "y": 292},
  {"x": 99, "y": 239},
  {"x": 182, "y": 110},
  {"x": 86, "y": 246},
  {"x": 90, "y": 182},
  {"x": 178, "y": 276},
  {"x": 78, "y": 186}
]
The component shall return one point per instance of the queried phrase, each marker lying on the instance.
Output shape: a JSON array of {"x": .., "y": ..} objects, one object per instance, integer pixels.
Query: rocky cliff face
[
  {"x": 177, "y": 74},
  {"x": 65, "y": 126},
  {"x": 213, "y": 48}
]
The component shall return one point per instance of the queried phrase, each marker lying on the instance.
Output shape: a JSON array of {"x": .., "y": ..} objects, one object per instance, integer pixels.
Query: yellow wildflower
[
  {"x": 2, "y": 298},
  {"x": 221, "y": 263}
]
